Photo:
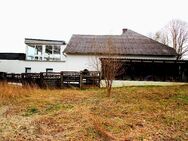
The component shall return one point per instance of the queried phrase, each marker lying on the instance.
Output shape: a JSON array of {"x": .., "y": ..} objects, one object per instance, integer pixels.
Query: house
[{"x": 142, "y": 57}]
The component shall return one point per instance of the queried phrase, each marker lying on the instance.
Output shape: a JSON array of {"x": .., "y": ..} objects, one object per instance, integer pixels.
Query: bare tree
[
  {"x": 108, "y": 63},
  {"x": 161, "y": 37},
  {"x": 178, "y": 32},
  {"x": 174, "y": 34}
]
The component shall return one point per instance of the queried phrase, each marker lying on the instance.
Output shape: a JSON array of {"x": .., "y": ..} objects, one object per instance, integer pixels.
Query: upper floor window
[
  {"x": 57, "y": 49},
  {"x": 49, "y": 50},
  {"x": 38, "y": 50}
]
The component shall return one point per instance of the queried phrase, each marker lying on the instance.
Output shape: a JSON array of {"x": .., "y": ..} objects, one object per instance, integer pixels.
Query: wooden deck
[{"x": 55, "y": 79}]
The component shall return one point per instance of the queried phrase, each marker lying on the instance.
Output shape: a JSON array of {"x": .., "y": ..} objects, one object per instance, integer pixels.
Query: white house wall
[
  {"x": 18, "y": 66},
  {"x": 81, "y": 62},
  {"x": 71, "y": 63}
]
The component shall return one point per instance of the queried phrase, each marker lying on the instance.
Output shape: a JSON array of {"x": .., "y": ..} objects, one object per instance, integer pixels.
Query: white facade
[
  {"x": 19, "y": 66},
  {"x": 81, "y": 62},
  {"x": 70, "y": 63}
]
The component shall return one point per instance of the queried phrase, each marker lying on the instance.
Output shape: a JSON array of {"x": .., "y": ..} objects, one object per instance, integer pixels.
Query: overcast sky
[{"x": 59, "y": 19}]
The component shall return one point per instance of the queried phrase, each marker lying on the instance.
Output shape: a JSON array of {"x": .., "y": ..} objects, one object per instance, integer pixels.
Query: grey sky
[{"x": 59, "y": 19}]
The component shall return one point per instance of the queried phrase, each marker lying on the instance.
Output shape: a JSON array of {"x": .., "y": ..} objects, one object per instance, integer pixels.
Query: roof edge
[{"x": 44, "y": 40}]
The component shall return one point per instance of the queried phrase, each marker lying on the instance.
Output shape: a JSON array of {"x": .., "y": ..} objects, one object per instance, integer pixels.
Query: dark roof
[
  {"x": 129, "y": 43},
  {"x": 12, "y": 56},
  {"x": 44, "y": 42}
]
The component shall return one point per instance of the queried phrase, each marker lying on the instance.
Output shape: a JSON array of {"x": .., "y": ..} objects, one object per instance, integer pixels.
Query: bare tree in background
[
  {"x": 178, "y": 32},
  {"x": 175, "y": 34},
  {"x": 161, "y": 37}
]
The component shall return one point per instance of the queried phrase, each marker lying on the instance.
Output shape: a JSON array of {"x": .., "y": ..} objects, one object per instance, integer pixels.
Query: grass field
[{"x": 131, "y": 113}]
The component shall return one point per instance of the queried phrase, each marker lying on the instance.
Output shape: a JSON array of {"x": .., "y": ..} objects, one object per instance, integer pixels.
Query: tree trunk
[{"x": 109, "y": 91}]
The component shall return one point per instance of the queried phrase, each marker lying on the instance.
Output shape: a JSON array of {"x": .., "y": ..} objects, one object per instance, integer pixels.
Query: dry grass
[
  {"x": 132, "y": 113},
  {"x": 10, "y": 93}
]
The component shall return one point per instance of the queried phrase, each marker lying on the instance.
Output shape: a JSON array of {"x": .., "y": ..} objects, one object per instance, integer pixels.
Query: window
[
  {"x": 57, "y": 49},
  {"x": 27, "y": 70},
  {"x": 48, "y": 50},
  {"x": 49, "y": 70},
  {"x": 38, "y": 50}
]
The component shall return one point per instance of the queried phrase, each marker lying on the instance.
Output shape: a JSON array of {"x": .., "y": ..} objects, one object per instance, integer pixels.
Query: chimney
[{"x": 124, "y": 30}]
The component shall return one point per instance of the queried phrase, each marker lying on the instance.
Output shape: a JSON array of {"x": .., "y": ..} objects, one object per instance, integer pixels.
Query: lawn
[{"x": 131, "y": 113}]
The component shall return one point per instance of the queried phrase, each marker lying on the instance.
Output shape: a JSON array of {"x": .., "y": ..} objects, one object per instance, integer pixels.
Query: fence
[{"x": 55, "y": 79}]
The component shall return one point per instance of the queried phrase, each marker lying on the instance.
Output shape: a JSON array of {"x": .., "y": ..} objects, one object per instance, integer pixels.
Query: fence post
[
  {"x": 22, "y": 79},
  {"x": 5, "y": 76},
  {"x": 41, "y": 80},
  {"x": 80, "y": 79},
  {"x": 99, "y": 80},
  {"x": 12, "y": 77},
  {"x": 61, "y": 80}
]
